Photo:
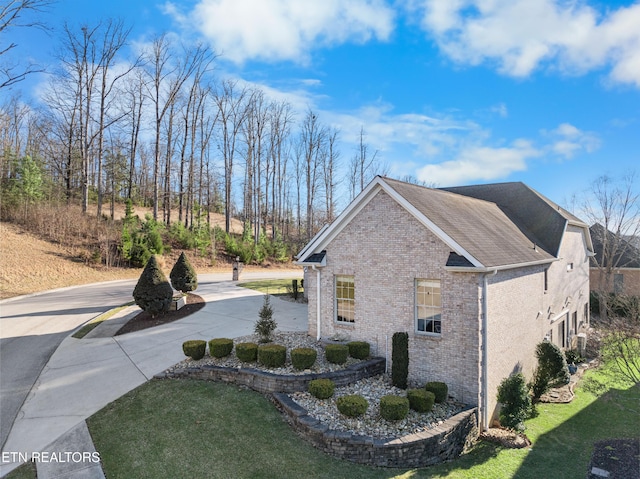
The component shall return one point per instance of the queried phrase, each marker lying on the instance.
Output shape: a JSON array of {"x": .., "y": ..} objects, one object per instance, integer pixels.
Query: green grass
[
  {"x": 270, "y": 286},
  {"x": 187, "y": 428},
  {"x": 95, "y": 322},
  {"x": 25, "y": 471}
]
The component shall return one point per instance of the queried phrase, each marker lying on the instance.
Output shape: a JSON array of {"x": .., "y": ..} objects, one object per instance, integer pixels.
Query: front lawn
[{"x": 188, "y": 428}]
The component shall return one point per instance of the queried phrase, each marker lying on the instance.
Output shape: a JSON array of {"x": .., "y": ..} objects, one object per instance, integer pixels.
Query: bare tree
[
  {"x": 313, "y": 141},
  {"x": 613, "y": 210},
  {"x": 18, "y": 14},
  {"x": 329, "y": 174},
  {"x": 364, "y": 166}
]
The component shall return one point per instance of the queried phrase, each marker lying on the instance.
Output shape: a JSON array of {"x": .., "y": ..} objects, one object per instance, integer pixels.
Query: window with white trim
[
  {"x": 345, "y": 299},
  {"x": 428, "y": 306}
]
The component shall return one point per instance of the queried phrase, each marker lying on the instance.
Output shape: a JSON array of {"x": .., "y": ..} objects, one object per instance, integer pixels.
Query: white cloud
[
  {"x": 480, "y": 163},
  {"x": 567, "y": 141},
  {"x": 276, "y": 30},
  {"x": 522, "y": 35}
]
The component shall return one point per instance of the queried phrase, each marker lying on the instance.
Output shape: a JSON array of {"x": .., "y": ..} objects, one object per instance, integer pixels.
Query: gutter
[
  {"x": 484, "y": 408},
  {"x": 494, "y": 269}
]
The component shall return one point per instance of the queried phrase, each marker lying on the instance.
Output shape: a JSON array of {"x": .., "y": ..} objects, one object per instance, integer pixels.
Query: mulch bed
[
  {"x": 506, "y": 437},
  {"x": 620, "y": 458},
  {"x": 144, "y": 320}
]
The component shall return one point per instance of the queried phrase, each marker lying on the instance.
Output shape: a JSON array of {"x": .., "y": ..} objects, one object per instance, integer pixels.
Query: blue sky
[{"x": 453, "y": 92}]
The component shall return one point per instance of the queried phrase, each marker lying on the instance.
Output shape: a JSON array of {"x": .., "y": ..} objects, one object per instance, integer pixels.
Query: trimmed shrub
[
  {"x": 552, "y": 369},
  {"x": 183, "y": 277},
  {"x": 321, "y": 388},
  {"x": 513, "y": 394},
  {"x": 303, "y": 358},
  {"x": 220, "y": 347},
  {"x": 394, "y": 408},
  {"x": 421, "y": 400},
  {"x": 247, "y": 352},
  {"x": 353, "y": 405},
  {"x": 359, "y": 349},
  {"x": 272, "y": 355},
  {"x": 439, "y": 390},
  {"x": 336, "y": 353},
  {"x": 153, "y": 293},
  {"x": 265, "y": 325},
  {"x": 400, "y": 359},
  {"x": 194, "y": 348}
]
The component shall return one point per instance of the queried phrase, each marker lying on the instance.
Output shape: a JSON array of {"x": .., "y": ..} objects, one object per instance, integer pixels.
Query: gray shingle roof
[
  {"x": 622, "y": 253},
  {"x": 484, "y": 229}
]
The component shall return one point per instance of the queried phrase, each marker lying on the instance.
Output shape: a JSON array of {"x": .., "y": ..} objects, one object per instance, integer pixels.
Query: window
[
  {"x": 546, "y": 279},
  {"x": 574, "y": 322},
  {"x": 570, "y": 267},
  {"x": 428, "y": 306},
  {"x": 345, "y": 299}
]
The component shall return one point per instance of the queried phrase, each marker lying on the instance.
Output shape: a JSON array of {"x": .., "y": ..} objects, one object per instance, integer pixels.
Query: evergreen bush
[
  {"x": 513, "y": 394},
  {"x": 439, "y": 390},
  {"x": 321, "y": 388},
  {"x": 183, "y": 277},
  {"x": 303, "y": 358},
  {"x": 220, "y": 347},
  {"x": 359, "y": 349},
  {"x": 400, "y": 359},
  {"x": 336, "y": 353},
  {"x": 265, "y": 325},
  {"x": 352, "y": 406},
  {"x": 552, "y": 369},
  {"x": 247, "y": 352},
  {"x": 194, "y": 348},
  {"x": 272, "y": 355},
  {"x": 394, "y": 408},
  {"x": 420, "y": 400},
  {"x": 153, "y": 293}
]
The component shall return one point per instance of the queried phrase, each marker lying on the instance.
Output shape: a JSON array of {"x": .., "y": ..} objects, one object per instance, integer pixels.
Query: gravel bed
[{"x": 326, "y": 411}]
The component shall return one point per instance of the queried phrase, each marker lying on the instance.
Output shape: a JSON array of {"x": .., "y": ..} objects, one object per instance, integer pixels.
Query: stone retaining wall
[
  {"x": 442, "y": 443},
  {"x": 266, "y": 383}
]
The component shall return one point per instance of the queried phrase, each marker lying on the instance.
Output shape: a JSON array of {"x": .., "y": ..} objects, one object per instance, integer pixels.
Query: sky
[{"x": 452, "y": 92}]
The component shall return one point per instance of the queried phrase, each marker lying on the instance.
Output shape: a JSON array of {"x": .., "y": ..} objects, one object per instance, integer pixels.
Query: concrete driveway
[{"x": 47, "y": 392}]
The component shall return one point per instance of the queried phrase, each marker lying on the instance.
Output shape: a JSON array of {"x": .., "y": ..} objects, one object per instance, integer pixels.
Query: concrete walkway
[{"x": 84, "y": 375}]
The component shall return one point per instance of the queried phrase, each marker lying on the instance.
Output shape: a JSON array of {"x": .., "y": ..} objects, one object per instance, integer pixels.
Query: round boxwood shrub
[
  {"x": 194, "y": 348},
  {"x": 353, "y": 405},
  {"x": 247, "y": 352},
  {"x": 321, "y": 388},
  {"x": 336, "y": 353},
  {"x": 359, "y": 349},
  {"x": 394, "y": 408},
  {"x": 439, "y": 390},
  {"x": 220, "y": 347},
  {"x": 272, "y": 355},
  {"x": 420, "y": 400},
  {"x": 303, "y": 358}
]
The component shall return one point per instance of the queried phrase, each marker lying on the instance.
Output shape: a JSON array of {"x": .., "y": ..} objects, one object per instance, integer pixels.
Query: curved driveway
[{"x": 32, "y": 327}]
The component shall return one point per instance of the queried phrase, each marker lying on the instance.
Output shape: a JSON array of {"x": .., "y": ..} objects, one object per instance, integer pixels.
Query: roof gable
[{"x": 626, "y": 254}]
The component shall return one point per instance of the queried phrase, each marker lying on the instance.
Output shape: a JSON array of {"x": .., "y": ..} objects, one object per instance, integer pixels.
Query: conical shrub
[
  {"x": 183, "y": 277},
  {"x": 153, "y": 293}
]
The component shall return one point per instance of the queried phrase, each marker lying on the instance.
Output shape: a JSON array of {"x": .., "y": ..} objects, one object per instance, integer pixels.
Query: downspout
[
  {"x": 485, "y": 367},
  {"x": 317, "y": 270}
]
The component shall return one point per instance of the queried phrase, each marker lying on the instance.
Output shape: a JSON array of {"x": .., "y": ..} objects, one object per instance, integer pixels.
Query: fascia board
[{"x": 489, "y": 269}]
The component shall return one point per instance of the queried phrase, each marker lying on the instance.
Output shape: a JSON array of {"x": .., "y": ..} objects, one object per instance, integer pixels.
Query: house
[
  {"x": 477, "y": 276},
  {"x": 618, "y": 254}
]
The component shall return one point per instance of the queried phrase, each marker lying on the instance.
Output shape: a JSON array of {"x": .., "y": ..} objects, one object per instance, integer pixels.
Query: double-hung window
[
  {"x": 345, "y": 299},
  {"x": 428, "y": 306}
]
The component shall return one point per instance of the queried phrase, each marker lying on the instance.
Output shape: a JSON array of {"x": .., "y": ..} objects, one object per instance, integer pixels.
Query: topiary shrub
[
  {"x": 220, "y": 347},
  {"x": 153, "y": 293},
  {"x": 421, "y": 400},
  {"x": 353, "y": 405},
  {"x": 439, "y": 390},
  {"x": 394, "y": 408},
  {"x": 183, "y": 277},
  {"x": 321, "y": 388},
  {"x": 400, "y": 359},
  {"x": 552, "y": 369},
  {"x": 265, "y": 325},
  {"x": 303, "y": 358},
  {"x": 336, "y": 353},
  {"x": 513, "y": 394},
  {"x": 194, "y": 348},
  {"x": 272, "y": 355},
  {"x": 359, "y": 349},
  {"x": 247, "y": 352}
]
